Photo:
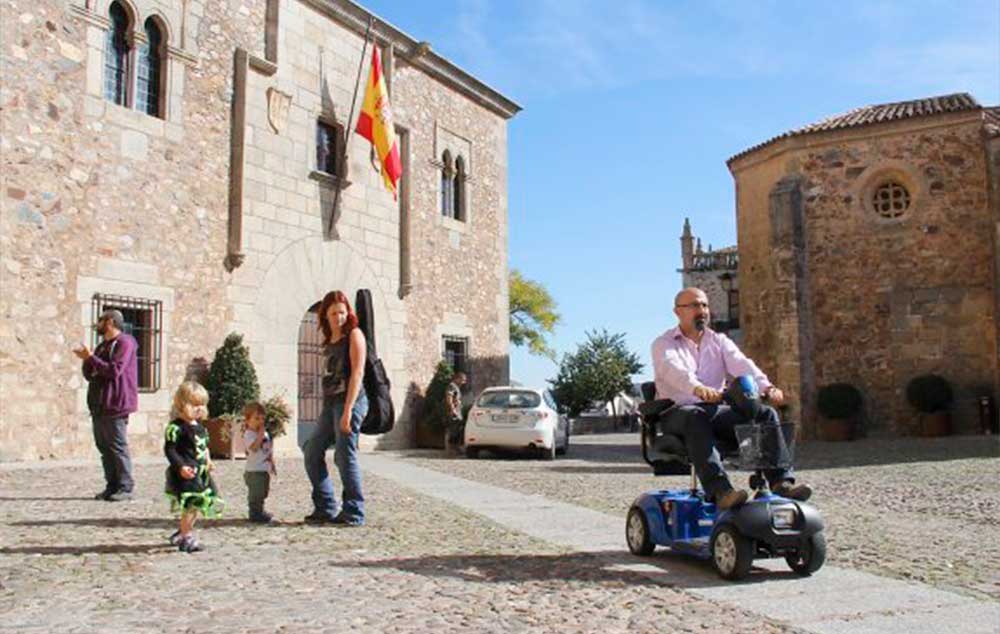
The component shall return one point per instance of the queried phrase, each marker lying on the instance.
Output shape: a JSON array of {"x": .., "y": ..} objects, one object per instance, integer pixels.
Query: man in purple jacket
[{"x": 112, "y": 371}]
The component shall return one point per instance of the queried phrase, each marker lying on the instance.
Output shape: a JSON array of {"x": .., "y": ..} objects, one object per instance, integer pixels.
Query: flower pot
[
  {"x": 837, "y": 429},
  {"x": 224, "y": 438},
  {"x": 935, "y": 424}
]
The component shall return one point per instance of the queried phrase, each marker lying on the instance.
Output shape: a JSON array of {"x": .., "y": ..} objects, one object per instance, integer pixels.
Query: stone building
[
  {"x": 868, "y": 254},
  {"x": 184, "y": 160},
  {"x": 715, "y": 271}
]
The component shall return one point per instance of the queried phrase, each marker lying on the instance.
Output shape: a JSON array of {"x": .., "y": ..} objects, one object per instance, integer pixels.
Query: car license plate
[{"x": 504, "y": 418}]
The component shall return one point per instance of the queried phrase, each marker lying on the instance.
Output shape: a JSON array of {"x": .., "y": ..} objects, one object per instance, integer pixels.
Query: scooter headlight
[{"x": 784, "y": 517}]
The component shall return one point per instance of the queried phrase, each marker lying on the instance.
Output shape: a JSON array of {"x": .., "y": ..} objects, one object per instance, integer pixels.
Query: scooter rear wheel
[
  {"x": 810, "y": 557},
  {"x": 732, "y": 553},
  {"x": 637, "y": 533}
]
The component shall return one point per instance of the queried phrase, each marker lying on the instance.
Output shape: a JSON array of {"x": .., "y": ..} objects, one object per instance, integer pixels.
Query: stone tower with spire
[{"x": 715, "y": 272}]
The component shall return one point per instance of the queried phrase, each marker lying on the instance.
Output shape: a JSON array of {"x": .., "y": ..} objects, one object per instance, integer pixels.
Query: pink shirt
[{"x": 680, "y": 365}]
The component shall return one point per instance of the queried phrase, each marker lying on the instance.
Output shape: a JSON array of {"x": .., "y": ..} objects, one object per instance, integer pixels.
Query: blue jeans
[
  {"x": 703, "y": 426},
  {"x": 345, "y": 456},
  {"x": 111, "y": 438}
]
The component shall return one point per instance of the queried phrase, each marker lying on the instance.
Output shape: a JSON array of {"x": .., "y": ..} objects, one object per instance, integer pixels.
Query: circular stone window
[{"x": 891, "y": 199}]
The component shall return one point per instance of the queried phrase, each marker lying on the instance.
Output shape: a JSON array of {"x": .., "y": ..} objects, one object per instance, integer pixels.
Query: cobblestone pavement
[
  {"x": 926, "y": 510},
  {"x": 72, "y": 564}
]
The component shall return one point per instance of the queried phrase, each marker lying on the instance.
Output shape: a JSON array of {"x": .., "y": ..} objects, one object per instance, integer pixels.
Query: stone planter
[
  {"x": 837, "y": 429},
  {"x": 429, "y": 437},
  {"x": 935, "y": 424},
  {"x": 224, "y": 438}
]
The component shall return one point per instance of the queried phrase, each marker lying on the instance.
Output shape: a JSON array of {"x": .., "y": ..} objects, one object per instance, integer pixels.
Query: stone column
[{"x": 791, "y": 332}]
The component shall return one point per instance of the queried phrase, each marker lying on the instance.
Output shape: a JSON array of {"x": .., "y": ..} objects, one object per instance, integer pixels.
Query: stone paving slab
[{"x": 834, "y": 600}]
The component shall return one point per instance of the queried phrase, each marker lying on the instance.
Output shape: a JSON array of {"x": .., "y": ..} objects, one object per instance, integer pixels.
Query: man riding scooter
[{"x": 691, "y": 363}]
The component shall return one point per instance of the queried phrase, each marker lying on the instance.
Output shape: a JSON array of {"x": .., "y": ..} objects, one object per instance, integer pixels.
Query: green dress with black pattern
[{"x": 187, "y": 445}]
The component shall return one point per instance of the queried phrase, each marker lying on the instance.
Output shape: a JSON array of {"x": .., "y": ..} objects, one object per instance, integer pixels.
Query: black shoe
[
  {"x": 319, "y": 517},
  {"x": 344, "y": 520},
  {"x": 119, "y": 496},
  {"x": 103, "y": 495},
  {"x": 175, "y": 539},
  {"x": 263, "y": 518},
  {"x": 189, "y": 544}
]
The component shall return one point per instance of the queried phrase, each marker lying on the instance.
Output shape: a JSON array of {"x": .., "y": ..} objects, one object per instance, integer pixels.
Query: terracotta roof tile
[{"x": 883, "y": 113}]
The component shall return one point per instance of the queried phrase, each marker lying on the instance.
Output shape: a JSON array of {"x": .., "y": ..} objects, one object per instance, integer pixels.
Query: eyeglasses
[{"x": 694, "y": 305}]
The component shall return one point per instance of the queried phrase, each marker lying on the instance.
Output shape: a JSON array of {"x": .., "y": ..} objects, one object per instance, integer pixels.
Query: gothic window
[
  {"x": 891, "y": 199},
  {"x": 116, "y": 56},
  {"x": 458, "y": 197},
  {"x": 149, "y": 72},
  {"x": 447, "y": 189}
]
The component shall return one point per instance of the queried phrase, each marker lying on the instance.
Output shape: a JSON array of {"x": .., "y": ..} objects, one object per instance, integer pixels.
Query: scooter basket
[{"x": 763, "y": 447}]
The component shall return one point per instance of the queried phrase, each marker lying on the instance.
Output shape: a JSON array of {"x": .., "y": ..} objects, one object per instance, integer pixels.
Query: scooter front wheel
[
  {"x": 637, "y": 533},
  {"x": 810, "y": 557},
  {"x": 732, "y": 553}
]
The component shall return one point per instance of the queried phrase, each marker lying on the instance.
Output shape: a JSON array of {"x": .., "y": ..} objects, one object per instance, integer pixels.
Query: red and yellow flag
[{"x": 375, "y": 124}]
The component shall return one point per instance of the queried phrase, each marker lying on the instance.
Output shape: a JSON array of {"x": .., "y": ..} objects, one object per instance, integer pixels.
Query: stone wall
[{"x": 851, "y": 296}]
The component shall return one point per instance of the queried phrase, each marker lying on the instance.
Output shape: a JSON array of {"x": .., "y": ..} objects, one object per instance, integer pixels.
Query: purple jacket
[{"x": 113, "y": 373}]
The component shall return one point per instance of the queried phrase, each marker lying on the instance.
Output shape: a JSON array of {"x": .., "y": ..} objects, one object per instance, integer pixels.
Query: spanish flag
[{"x": 375, "y": 124}]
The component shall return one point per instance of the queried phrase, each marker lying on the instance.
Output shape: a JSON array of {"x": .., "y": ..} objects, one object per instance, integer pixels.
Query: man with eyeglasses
[{"x": 691, "y": 362}]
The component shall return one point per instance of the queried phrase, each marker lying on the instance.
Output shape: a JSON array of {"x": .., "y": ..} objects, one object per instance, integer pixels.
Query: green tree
[
  {"x": 532, "y": 315},
  {"x": 232, "y": 380},
  {"x": 600, "y": 369}
]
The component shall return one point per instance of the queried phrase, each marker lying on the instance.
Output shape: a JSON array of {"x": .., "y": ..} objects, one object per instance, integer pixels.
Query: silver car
[{"x": 516, "y": 418}]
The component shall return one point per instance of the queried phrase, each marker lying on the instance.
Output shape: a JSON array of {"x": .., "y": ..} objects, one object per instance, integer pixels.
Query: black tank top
[{"x": 338, "y": 368}]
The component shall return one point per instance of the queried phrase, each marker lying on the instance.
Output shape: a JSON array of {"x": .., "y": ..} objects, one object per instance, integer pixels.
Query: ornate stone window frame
[
  {"x": 888, "y": 172},
  {"x": 446, "y": 141}
]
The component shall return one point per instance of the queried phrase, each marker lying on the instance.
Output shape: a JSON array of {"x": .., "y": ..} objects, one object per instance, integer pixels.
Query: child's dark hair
[{"x": 253, "y": 407}]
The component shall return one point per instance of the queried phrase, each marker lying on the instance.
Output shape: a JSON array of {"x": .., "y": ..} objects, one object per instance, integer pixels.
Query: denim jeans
[
  {"x": 111, "y": 438},
  {"x": 703, "y": 425},
  {"x": 345, "y": 456}
]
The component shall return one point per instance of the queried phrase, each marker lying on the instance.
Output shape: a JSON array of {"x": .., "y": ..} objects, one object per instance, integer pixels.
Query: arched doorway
[{"x": 310, "y": 373}]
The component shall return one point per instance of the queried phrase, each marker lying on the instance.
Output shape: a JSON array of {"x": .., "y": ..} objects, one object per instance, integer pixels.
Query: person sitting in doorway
[{"x": 691, "y": 362}]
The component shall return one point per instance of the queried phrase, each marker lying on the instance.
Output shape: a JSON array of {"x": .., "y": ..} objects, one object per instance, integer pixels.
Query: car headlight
[{"x": 784, "y": 517}]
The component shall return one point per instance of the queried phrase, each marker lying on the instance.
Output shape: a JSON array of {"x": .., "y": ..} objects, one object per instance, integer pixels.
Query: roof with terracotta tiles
[{"x": 883, "y": 113}]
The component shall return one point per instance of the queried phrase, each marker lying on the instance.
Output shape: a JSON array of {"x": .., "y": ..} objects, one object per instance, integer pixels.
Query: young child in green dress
[{"x": 190, "y": 486}]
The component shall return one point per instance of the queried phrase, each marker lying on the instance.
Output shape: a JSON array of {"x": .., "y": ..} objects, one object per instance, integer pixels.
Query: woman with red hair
[{"x": 344, "y": 408}]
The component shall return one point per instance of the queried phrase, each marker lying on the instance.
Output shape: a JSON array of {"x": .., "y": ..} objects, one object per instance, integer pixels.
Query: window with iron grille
[
  {"x": 116, "y": 56},
  {"x": 456, "y": 353},
  {"x": 144, "y": 321},
  {"x": 329, "y": 140}
]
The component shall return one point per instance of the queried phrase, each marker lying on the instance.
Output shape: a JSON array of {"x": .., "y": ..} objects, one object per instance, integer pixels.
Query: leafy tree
[
  {"x": 532, "y": 315},
  {"x": 599, "y": 370},
  {"x": 232, "y": 380}
]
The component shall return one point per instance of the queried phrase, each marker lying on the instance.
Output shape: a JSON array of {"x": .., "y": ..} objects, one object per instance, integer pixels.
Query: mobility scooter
[{"x": 766, "y": 526}]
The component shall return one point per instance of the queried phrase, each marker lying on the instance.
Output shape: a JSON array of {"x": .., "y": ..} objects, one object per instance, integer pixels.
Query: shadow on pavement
[
  {"x": 135, "y": 522},
  {"x": 104, "y": 549},
  {"x": 663, "y": 569},
  {"x": 29, "y": 498}
]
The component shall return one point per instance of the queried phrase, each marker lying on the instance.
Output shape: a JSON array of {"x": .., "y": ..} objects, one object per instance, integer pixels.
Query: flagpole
[{"x": 348, "y": 127}]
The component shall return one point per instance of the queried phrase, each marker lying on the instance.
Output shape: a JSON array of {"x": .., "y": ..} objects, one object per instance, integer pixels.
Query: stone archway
[{"x": 296, "y": 279}]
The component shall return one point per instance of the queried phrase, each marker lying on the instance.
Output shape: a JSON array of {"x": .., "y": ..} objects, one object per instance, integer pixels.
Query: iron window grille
[{"x": 144, "y": 322}]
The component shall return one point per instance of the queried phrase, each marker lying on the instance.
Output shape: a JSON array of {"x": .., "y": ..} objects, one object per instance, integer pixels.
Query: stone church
[
  {"x": 715, "y": 271},
  {"x": 184, "y": 162},
  {"x": 868, "y": 254}
]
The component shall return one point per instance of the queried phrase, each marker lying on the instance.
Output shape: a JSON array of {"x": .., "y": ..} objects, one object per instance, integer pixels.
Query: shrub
[
  {"x": 839, "y": 400},
  {"x": 232, "y": 380},
  {"x": 276, "y": 417},
  {"x": 929, "y": 393},
  {"x": 435, "y": 412}
]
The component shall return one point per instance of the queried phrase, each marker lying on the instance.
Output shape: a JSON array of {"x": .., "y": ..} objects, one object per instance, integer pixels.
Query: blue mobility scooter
[{"x": 682, "y": 519}]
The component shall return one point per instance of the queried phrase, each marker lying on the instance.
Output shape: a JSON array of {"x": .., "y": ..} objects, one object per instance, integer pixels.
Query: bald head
[
  {"x": 691, "y": 308},
  {"x": 690, "y": 294}
]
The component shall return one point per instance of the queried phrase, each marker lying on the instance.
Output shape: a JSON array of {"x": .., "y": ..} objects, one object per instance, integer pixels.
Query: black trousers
[{"x": 111, "y": 438}]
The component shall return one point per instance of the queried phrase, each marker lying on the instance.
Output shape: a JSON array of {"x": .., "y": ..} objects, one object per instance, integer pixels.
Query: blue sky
[{"x": 632, "y": 107}]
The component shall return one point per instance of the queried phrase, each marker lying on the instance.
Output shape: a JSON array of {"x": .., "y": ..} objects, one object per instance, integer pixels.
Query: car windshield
[{"x": 509, "y": 400}]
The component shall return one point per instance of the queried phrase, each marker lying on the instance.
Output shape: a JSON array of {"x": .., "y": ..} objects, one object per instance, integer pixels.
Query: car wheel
[
  {"x": 810, "y": 557},
  {"x": 548, "y": 453},
  {"x": 732, "y": 553},
  {"x": 562, "y": 451},
  {"x": 471, "y": 452},
  {"x": 637, "y": 533}
]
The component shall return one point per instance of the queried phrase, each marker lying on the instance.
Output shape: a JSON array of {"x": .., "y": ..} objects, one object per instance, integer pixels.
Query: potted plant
[
  {"x": 840, "y": 405},
  {"x": 277, "y": 413},
  {"x": 231, "y": 384},
  {"x": 433, "y": 422},
  {"x": 931, "y": 395}
]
